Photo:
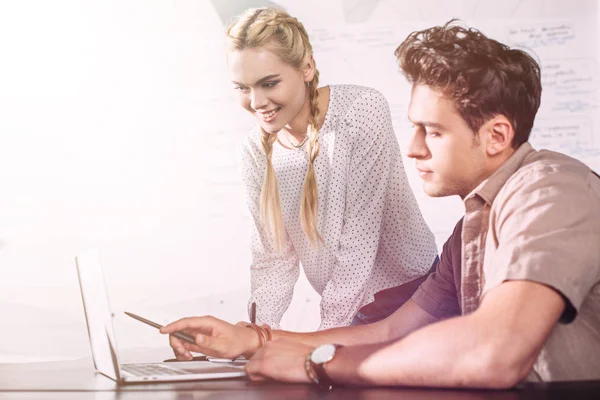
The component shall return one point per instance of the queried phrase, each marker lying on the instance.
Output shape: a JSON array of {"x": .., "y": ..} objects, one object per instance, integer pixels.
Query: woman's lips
[{"x": 269, "y": 115}]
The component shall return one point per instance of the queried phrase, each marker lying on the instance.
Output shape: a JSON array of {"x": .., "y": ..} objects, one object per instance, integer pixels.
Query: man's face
[{"x": 449, "y": 156}]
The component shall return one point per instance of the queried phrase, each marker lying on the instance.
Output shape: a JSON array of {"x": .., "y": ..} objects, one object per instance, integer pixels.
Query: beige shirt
[{"x": 537, "y": 218}]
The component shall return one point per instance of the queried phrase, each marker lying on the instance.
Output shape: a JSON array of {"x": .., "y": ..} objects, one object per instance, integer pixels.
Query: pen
[
  {"x": 253, "y": 313},
  {"x": 179, "y": 335}
]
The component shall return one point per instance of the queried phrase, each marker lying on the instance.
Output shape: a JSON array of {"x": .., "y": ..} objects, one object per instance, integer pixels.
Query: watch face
[{"x": 323, "y": 353}]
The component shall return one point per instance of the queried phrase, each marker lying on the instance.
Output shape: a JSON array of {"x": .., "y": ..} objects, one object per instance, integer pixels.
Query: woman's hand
[{"x": 213, "y": 337}]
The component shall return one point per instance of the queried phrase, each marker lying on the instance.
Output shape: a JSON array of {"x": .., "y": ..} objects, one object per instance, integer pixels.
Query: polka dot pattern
[{"x": 373, "y": 231}]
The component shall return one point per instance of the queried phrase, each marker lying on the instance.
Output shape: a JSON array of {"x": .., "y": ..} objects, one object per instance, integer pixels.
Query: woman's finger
[
  {"x": 180, "y": 352},
  {"x": 204, "y": 324}
]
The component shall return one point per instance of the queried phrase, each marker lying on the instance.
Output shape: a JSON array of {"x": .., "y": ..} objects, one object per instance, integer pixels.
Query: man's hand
[{"x": 281, "y": 360}]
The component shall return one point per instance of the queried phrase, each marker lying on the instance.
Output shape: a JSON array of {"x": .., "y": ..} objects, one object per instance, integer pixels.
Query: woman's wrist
[{"x": 259, "y": 336}]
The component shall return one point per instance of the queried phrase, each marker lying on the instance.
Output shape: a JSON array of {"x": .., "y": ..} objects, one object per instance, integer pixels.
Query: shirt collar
[{"x": 490, "y": 187}]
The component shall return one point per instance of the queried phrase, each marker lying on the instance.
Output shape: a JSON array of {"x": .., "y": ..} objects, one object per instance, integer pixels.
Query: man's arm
[
  {"x": 495, "y": 347},
  {"x": 408, "y": 318}
]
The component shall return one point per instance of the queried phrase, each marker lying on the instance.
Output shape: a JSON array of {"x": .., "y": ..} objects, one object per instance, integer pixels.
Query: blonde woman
[{"x": 324, "y": 180}]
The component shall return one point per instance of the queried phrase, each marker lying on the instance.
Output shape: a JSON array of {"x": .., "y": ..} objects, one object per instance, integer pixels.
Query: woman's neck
[{"x": 298, "y": 126}]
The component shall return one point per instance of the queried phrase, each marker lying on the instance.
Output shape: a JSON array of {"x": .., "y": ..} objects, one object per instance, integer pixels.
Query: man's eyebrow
[
  {"x": 261, "y": 80},
  {"x": 427, "y": 124}
]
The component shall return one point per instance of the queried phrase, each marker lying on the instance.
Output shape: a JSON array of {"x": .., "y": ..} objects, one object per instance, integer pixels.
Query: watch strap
[
  {"x": 310, "y": 371},
  {"x": 323, "y": 380},
  {"x": 320, "y": 378}
]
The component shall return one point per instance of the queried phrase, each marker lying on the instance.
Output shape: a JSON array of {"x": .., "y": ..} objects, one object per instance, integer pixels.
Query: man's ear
[
  {"x": 499, "y": 134},
  {"x": 309, "y": 70}
]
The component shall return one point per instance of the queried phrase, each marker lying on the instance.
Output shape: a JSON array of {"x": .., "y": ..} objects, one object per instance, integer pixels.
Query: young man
[{"x": 516, "y": 295}]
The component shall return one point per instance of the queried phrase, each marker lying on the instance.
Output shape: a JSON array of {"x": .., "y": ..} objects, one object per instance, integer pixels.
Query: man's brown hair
[{"x": 484, "y": 77}]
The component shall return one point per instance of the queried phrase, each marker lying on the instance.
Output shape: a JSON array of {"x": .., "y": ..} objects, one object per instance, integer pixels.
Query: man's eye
[{"x": 270, "y": 85}]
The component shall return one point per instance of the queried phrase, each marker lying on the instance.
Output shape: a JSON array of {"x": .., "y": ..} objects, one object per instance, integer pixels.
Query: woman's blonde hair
[{"x": 285, "y": 36}]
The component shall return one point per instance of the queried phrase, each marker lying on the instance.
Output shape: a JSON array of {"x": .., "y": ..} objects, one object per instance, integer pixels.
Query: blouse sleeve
[
  {"x": 374, "y": 163},
  {"x": 273, "y": 274}
]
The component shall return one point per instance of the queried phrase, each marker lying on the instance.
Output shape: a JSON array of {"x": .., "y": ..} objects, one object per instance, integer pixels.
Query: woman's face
[{"x": 269, "y": 88}]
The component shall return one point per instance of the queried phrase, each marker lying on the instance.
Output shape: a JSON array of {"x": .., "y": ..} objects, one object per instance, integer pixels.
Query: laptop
[{"x": 98, "y": 317}]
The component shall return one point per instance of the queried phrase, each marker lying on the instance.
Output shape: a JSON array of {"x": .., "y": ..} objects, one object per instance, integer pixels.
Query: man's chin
[{"x": 436, "y": 191}]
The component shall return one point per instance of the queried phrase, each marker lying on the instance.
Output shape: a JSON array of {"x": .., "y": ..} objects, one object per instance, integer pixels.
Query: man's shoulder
[
  {"x": 552, "y": 161},
  {"x": 548, "y": 188},
  {"x": 547, "y": 168}
]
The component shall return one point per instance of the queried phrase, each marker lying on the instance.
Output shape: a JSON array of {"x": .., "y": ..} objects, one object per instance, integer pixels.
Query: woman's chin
[{"x": 270, "y": 128}]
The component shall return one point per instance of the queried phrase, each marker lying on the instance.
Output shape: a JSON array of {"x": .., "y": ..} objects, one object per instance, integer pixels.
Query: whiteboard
[
  {"x": 357, "y": 44},
  {"x": 354, "y": 42}
]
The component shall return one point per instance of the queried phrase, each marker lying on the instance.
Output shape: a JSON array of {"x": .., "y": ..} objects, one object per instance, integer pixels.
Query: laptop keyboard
[{"x": 152, "y": 370}]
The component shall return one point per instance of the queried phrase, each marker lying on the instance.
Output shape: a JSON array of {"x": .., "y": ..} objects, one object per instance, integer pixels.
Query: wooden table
[{"x": 77, "y": 380}]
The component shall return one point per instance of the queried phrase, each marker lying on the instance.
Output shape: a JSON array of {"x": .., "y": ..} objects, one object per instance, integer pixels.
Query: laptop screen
[{"x": 97, "y": 314}]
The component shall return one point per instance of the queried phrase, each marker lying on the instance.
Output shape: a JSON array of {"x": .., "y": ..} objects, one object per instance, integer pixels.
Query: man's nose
[{"x": 417, "y": 148}]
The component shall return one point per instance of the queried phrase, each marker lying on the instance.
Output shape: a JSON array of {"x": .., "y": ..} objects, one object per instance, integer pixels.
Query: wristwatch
[{"x": 315, "y": 364}]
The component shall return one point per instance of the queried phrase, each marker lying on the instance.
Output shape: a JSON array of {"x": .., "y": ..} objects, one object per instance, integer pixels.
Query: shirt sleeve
[
  {"x": 438, "y": 295},
  {"x": 374, "y": 158},
  {"x": 273, "y": 274},
  {"x": 546, "y": 229}
]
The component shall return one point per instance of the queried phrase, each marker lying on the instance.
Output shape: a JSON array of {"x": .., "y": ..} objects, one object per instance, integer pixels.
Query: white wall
[
  {"x": 110, "y": 139},
  {"x": 119, "y": 130}
]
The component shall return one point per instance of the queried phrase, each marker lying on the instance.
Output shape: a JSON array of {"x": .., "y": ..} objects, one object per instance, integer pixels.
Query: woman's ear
[{"x": 309, "y": 70}]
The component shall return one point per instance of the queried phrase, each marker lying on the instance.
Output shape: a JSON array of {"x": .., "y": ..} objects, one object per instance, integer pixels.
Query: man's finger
[{"x": 253, "y": 370}]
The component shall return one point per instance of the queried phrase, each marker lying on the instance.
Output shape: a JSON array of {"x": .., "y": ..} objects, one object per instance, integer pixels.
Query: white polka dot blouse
[{"x": 374, "y": 236}]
